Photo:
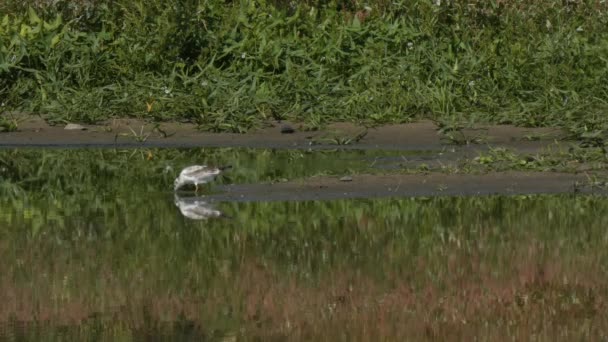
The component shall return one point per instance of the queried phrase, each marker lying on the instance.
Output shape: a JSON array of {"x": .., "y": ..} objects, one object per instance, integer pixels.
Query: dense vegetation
[{"x": 231, "y": 65}]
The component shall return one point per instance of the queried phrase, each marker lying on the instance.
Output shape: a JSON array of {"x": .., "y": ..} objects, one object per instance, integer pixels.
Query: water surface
[{"x": 93, "y": 245}]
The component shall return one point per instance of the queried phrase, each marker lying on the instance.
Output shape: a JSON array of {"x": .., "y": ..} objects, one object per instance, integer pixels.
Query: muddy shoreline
[
  {"x": 133, "y": 133},
  {"x": 403, "y": 185},
  {"x": 421, "y": 136}
]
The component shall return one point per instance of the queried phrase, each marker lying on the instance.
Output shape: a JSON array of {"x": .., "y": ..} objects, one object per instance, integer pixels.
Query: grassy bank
[{"x": 229, "y": 66}]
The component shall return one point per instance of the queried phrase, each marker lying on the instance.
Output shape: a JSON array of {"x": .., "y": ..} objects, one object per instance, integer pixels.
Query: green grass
[
  {"x": 230, "y": 66},
  {"x": 575, "y": 160},
  {"x": 8, "y": 124}
]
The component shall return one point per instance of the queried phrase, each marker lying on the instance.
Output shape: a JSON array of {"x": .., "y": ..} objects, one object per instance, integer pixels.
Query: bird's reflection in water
[{"x": 197, "y": 209}]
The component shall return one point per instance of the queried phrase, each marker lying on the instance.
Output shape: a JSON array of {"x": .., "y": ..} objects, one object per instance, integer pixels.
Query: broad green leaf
[
  {"x": 33, "y": 17},
  {"x": 55, "y": 40},
  {"x": 54, "y": 24},
  {"x": 5, "y": 22},
  {"x": 25, "y": 30}
]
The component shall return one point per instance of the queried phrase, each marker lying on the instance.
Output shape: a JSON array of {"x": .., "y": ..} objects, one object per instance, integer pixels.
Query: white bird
[
  {"x": 197, "y": 174},
  {"x": 196, "y": 209}
]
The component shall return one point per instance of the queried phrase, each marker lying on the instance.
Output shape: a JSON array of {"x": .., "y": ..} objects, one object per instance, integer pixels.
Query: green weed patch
[{"x": 230, "y": 66}]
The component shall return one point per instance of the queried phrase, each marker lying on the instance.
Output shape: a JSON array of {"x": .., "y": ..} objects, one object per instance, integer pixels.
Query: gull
[
  {"x": 197, "y": 174},
  {"x": 196, "y": 209}
]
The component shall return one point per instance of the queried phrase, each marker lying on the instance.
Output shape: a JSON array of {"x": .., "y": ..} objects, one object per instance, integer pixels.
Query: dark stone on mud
[{"x": 287, "y": 129}]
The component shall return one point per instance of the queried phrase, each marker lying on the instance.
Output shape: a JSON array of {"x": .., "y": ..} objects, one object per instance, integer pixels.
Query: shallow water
[
  {"x": 116, "y": 170},
  {"x": 115, "y": 257}
]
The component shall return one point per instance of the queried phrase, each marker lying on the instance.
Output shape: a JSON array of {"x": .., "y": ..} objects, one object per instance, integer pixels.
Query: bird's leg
[{"x": 196, "y": 188}]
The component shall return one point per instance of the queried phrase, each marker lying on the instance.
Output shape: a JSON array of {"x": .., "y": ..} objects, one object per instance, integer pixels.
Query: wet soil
[
  {"x": 420, "y": 136},
  {"x": 406, "y": 185},
  {"x": 36, "y": 132}
]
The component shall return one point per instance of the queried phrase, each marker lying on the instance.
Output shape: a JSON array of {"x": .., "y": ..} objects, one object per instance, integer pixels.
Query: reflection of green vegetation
[
  {"x": 91, "y": 239},
  {"x": 55, "y": 172},
  {"x": 229, "y": 67},
  {"x": 314, "y": 236},
  {"x": 112, "y": 256}
]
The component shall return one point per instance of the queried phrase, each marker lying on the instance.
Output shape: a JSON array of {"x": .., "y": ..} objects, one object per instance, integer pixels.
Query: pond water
[{"x": 94, "y": 244}]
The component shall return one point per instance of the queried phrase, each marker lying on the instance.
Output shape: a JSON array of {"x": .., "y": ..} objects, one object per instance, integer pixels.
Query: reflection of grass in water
[
  {"x": 85, "y": 170},
  {"x": 259, "y": 303},
  {"x": 363, "y": 268}
]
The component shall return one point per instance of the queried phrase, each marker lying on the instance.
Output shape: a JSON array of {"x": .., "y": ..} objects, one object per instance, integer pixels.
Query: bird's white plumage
[{"x": 197, "y": 174}]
